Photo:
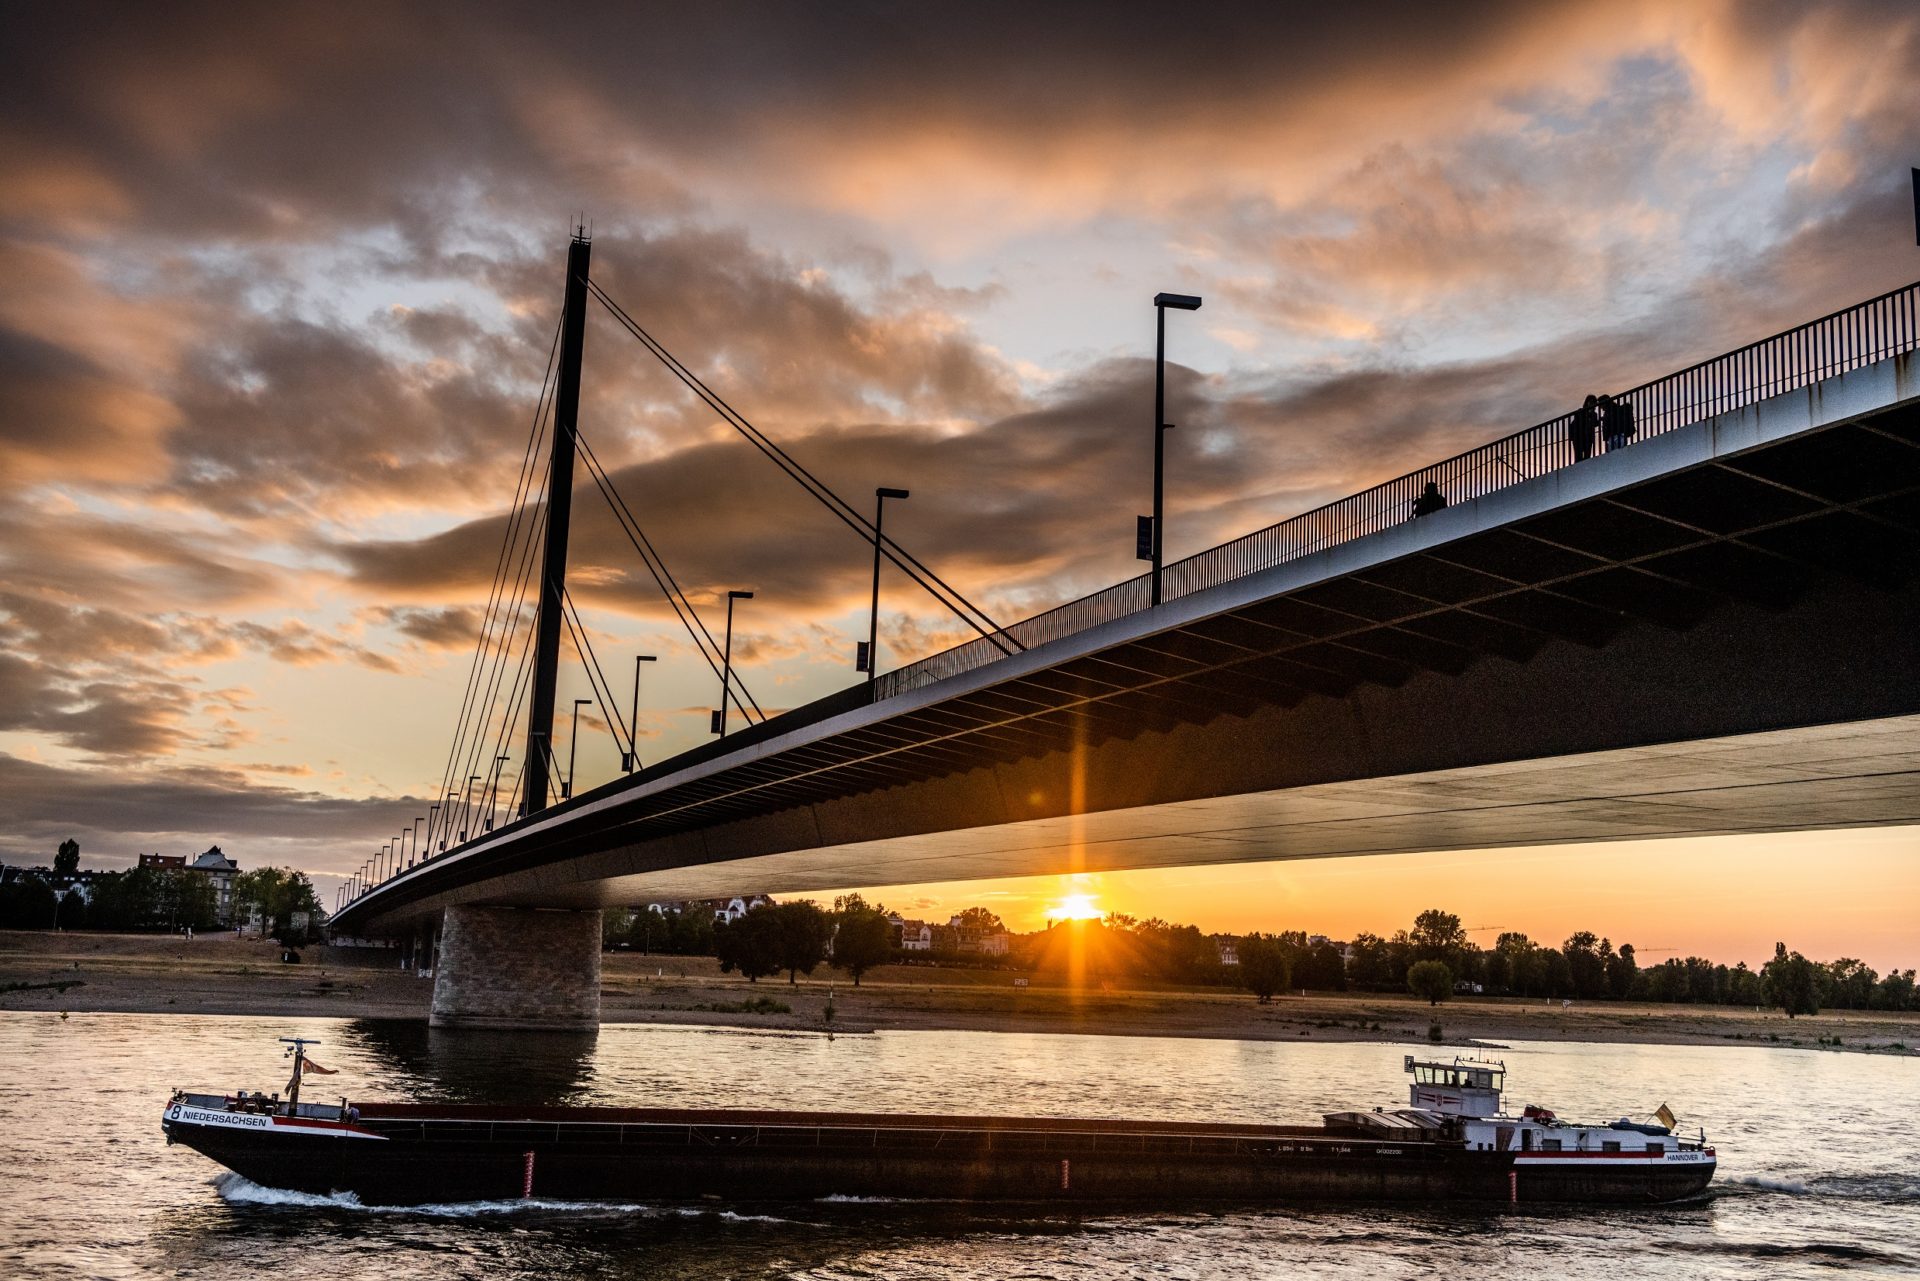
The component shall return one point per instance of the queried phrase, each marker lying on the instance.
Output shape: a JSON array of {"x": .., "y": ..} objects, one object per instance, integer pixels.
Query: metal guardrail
[{"x": 1859, "y": 335}]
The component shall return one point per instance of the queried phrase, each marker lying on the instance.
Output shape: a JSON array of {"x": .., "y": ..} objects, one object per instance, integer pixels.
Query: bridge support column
[{"x": 518, "y": 968}]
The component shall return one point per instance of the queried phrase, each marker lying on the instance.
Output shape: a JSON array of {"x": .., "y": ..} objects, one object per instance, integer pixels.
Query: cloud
[
  {"x": 277, "y": 291},
  {"x": 116, "y": 813}
]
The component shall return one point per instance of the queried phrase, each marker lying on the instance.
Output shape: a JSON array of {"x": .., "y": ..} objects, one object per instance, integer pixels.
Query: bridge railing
[{"x": 1860, "y": 335}]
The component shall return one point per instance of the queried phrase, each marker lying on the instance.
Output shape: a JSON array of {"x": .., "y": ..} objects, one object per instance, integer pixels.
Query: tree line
[
  {"x": 158, "y": 899},
  {"x": 1434, "y": 959}
]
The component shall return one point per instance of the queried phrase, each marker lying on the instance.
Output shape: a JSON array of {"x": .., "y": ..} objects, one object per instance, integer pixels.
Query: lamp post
[
  {"x": 447, "y": 804},
  {"x": 414, "y": 855},
  {"x": 1179, "y": 302},
  {"x": 726, "y": 665},
  {"x": 432, "y": 812},
  {"x": 872, "y": 654},
  {"x": 630, "y": 759},
  {"x": 573, "y": 744},
  {"x": 466, "y": 805},
  {"x": 499, "y": 768}
]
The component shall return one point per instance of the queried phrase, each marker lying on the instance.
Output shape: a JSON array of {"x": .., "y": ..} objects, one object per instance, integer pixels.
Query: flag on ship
[
  {"x": 311, "y": 1066},
  {"x": 1664, "y": 1116}
]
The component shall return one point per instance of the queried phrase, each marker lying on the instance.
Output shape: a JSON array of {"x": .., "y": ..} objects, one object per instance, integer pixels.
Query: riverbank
[{"x": 219, "y": 974}]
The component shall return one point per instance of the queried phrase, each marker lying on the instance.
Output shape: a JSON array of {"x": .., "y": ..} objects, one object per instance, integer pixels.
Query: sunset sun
[{"x": 1075, "y": 907}]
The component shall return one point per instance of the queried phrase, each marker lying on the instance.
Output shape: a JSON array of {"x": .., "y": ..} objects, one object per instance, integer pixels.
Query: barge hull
[{"x": 394, "y": 1157}]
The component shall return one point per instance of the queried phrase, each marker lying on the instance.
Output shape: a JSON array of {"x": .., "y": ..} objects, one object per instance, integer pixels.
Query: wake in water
[
  {"x": 1854, "y": 1187},
  {"x": 237, "y": 1190},
  {"x": 1761, "y": 1183}
]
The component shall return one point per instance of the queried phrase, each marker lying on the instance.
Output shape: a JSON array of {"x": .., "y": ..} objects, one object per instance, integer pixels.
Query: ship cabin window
[
  {"x": 1610, "y": 1145},
  {"x": 1656, "y": 1149},
  {"x": 1526, "y": 1140},
  {"x": 1549, "y": 1145}
]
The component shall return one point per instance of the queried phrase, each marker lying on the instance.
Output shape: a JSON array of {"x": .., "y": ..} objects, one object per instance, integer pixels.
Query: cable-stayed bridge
[{"x": 1713, "y": 627}]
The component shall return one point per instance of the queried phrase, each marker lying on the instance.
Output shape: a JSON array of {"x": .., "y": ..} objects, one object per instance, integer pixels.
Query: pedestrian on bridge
[
  {"x": 1430, "y": 500},
  {"x": 1619, "y": 421},
  {"x": 1583, "y": 428}
]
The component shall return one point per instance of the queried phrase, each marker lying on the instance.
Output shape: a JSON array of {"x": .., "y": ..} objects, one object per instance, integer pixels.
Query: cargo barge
[{"x": 1452, "y": 1143}]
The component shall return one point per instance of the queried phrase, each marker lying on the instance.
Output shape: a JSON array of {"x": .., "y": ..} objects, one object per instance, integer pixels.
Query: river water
[{"x": 1818, "y": 1174}]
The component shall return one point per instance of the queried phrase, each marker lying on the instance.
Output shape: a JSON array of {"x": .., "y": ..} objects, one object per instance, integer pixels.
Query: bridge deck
[{"x": 1592, "y": 646}]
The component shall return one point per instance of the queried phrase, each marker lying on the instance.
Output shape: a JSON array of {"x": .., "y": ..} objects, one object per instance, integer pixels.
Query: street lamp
[
  {"x": 630, "y": 760},
  {"x": 868, "y": 659},
  {"x": 726, "y": 665},
  {"x": 466, "y": 805},
  {"x": 1150, "y": 541},
  {"x": 573, "y": 744},
  {"x": 499, "y": 763},
  {"x": 432, "y": 812},
  {"x": 447, "y": 804},
  {"x": 414, "y": 856}
]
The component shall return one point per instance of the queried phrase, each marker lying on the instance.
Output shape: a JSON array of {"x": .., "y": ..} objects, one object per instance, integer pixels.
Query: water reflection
[{"x": 468, "y": 1065}]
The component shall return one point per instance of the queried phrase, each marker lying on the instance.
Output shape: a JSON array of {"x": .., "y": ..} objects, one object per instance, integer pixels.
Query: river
[{"x": 1817, "y": 1169}]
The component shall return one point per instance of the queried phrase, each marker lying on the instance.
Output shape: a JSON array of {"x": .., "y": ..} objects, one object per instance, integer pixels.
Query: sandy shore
[{"x": 218, "y": 974}]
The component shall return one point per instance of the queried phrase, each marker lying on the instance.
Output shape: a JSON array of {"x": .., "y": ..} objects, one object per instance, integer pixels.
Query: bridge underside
[
  {"x": 1861, "y": 775},
  {"x": 1716, "y": 630}
]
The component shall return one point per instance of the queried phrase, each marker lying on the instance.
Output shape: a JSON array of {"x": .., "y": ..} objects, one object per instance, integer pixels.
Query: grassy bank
[{"x": 219, "y": 974}]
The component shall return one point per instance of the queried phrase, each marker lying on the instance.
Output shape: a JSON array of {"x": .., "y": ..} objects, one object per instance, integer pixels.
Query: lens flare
[{"x": 1075, "y": 907}]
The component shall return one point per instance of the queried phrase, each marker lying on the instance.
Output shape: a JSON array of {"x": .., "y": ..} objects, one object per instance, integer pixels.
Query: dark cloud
[
  {"x": 454, "y": 627},
  {"x": 117, "y": 814},
  {"x": 277, "y": 288}
]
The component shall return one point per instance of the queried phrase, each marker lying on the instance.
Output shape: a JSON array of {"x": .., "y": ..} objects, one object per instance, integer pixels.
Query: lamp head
[
  {"x": 1180, "y": 302},
  {"x": 739, "y": 595},
  {"x": 891, "y": 493}
]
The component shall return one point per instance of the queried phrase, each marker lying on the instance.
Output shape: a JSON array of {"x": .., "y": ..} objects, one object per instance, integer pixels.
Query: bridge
[{"x": 1712, "y": 629}]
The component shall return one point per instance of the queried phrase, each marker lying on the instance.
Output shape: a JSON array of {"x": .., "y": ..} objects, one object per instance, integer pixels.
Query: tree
[
  {"x": 1370, "y": 969},
  {"x": 690, "y": 933},
  {"x": 1791, "y": 982},
  {"x": 72, "y": 912},
  {"x": 862, "y": 939},
  {"x": 804, "y": 932},
  {"x": 31, "y": 906},
  {"x": 1621, "y": 971},
  {"x": 1437, "y": 936},
  {"x": 1585, "y": 965},
  {"x": 1322, "y": 968},
  {"x": 1850, "y": 983},
  {"x": 616, "y": 928},
  {"x": 277, "y": 894},
  {"x": 750, "y": 944},
  {"x": 980, "y": 918},
  {"x": 1264, "y": 970},
  {"x": 67, "y": 861},
  {"x": 1431, "y": 980},
  {"x": 1896, "y": 991}
]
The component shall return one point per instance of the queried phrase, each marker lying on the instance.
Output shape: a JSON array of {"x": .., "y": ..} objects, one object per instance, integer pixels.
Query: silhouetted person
[
  {"x": 1583, "y": 428},
  {"x": 1430, "y": 500},
  {"x": 1619, "y": 422}
]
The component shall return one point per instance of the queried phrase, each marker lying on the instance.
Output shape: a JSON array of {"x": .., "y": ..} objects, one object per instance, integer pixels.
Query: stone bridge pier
[{"x": 520, "y": 968}]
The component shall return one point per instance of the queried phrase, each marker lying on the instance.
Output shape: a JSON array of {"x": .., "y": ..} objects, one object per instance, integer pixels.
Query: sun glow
[{"x": 1075, "y": 907}]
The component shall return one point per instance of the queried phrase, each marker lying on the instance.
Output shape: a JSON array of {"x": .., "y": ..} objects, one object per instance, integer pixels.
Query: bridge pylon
[{"x": 518, "y": 968}]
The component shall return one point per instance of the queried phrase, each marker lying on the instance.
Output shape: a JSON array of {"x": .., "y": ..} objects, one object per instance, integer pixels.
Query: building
[
  {"x": 970, "y": 940},
  {"x": 164, "y": 862},
  {"x": 220, "y": 870},
  {"x": 723, "y": 909},
  {"x": 911, "y": 936}
]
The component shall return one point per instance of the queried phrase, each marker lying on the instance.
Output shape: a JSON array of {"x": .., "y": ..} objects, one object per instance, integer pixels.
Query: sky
[{"x": 278, "y": 284}]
